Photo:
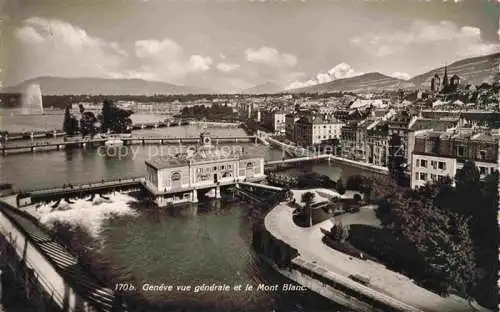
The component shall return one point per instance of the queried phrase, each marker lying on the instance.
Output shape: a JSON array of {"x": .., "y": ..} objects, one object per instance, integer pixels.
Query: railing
[
  {"x": 88, "y": 185},
  {"x": 125, "y": 139},
  {"x": 36, "y": 258}
]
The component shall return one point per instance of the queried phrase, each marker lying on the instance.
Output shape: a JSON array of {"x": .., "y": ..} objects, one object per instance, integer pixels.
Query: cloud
[
  {"x": 227, "y": 67},
  {"x": 166, "y": 60},
  {"x": 200, "y": 63},
  {"x": 399, "y": 75},
  {"x": 51, "y": 47},
  {"x": 270, "y": 57},
  {"x": 339, "y": 71},
  {"x": 54, "y": 47},
  {"x": 444, "y": 36}
]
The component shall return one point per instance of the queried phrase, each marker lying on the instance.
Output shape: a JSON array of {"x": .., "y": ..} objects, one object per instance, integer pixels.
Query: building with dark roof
[
  {"x": 314, "y": 129},
  {"x": 437, "y": 155},
  {"x": 177, "y": 178}
]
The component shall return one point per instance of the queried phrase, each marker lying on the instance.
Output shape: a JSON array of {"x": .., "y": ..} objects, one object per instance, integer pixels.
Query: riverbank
[{"x": 396, "y": 289}]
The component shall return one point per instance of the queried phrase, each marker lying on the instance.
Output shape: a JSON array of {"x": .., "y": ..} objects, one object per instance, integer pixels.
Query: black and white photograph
[{"x": 249, "y": 155}]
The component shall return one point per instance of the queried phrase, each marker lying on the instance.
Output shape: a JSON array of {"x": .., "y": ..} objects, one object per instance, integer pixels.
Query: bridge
[
  {"x": 49, "y": 270},
  {"x": 263, "y": 186},
  {"x": 259, "y": 194},
  {"x": 29, "y": 197},
  {"x": 297, "y": 159},
  {"x": 133, "y": 140},
  {"x": 53, "y": 133}
]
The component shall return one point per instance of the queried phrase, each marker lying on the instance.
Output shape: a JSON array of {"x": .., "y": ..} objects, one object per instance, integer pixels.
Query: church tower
[{"x": 445, "y": 78}]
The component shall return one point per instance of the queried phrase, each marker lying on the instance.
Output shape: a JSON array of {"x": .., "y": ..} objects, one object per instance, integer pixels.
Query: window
[
  {"x": 460, "y": 151},
  {"x": 176, "y": 176},
  {"x": 417, "y": 175},
  {"x": 441, "y": 178},
  {"x": 222, "y": 167},
  {"x": 482, "y": 170},
  {"x": 442, "y": 165},
  {"x": 215, "y": 168},
  {"x": 423, "y": 163},
  {"x": 433, "y": 177},
  {"x": 423, "y": 176},
  {"x": 434, "y": 164},
  {"x": 482, "y": 155}
]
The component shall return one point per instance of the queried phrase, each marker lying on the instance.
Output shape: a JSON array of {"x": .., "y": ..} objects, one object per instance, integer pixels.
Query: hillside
[
  {"x": 474, "y": 71},
  {"x": 100, "y": 86},
  {"x": 367, "y": 82},
  {"x": 266, "y": 88}
]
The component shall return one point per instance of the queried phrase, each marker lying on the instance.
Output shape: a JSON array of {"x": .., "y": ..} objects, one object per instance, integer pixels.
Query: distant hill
[
  {"x": 475, "y": 71},
  {"x": 101, "y": 86},
  {"x": 266, "y": 88},
  {"x": 366, "y": 82}
]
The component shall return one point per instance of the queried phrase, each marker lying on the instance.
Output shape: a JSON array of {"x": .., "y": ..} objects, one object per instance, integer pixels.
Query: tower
[
  {"x": 445, "y": 78},
  {"x": 436, "y": 83}
]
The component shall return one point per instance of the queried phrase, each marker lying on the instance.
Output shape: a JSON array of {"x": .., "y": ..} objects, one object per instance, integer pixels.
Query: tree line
[
  {"x": 112, "y": 119},
  {"x": 214, "y": 112},
  {"x": 452, "y": 228}
]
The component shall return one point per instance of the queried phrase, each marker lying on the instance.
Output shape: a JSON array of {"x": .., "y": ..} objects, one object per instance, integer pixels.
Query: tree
[
  {"x": 468, "y": 189},
  {"x": 87, "y": 124},
  {"x": 340, "y": 187},
  {"x": 115, "y": 119},
  {"x": 70, "y": 124},
  {"x": 308, "y": 198},
  {"x": 339, "y": 232}
]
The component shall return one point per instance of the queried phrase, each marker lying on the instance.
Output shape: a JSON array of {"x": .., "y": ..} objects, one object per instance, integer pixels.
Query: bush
[{"x": 339, "y": 232}]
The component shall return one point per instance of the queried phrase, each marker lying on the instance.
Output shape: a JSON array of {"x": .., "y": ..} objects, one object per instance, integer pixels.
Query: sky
[{"x": 230, "y": 45}]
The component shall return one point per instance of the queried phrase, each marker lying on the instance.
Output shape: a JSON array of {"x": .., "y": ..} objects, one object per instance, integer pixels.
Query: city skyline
[{"x": 233, "y": 45}]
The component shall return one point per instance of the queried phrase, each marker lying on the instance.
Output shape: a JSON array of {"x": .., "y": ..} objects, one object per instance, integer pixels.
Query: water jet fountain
[{"x": 31, "y": 100}]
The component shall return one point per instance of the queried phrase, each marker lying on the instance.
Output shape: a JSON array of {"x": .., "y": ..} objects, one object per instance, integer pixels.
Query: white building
[
  {"x": 438, "y": 155},
  {"x": 179, "y": 178},
  {"x": 312, "y": 130}
]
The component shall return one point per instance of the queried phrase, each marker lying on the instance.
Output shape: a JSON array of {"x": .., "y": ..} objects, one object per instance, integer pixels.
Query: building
[
  {"x": 420, "y": 125},
  {"x": 350, "y": 143},
  {"x": 438, "y": 155},
  {"x": 377, "y": 144},
  {"x": 290, "y": 120},
  {"x": 274, "y": 121},
  {"x": 245, "y": 110},
  {"x": 313, "y": 130},
  {"x": 179, "y": 178}
]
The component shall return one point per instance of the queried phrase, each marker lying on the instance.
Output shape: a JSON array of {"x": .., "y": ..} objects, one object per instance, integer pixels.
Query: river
[{"x": 198, "y": 244}]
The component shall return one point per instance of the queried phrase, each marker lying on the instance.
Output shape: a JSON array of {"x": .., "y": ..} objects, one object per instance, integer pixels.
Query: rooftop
[
  {"x": 478, "y": 137},
  {"x": 202, "y": 155},
  {"x": 435, "y": 124}
]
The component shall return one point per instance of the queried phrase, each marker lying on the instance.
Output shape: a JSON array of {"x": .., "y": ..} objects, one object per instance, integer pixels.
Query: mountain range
[
  {"x": 365, "y": 82},
  {"x": 471, "y": 70},
  {"x": 265, "y": 88},
  {"x": 102, "y": 86},
  {"x": 475, "y": 70}
]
